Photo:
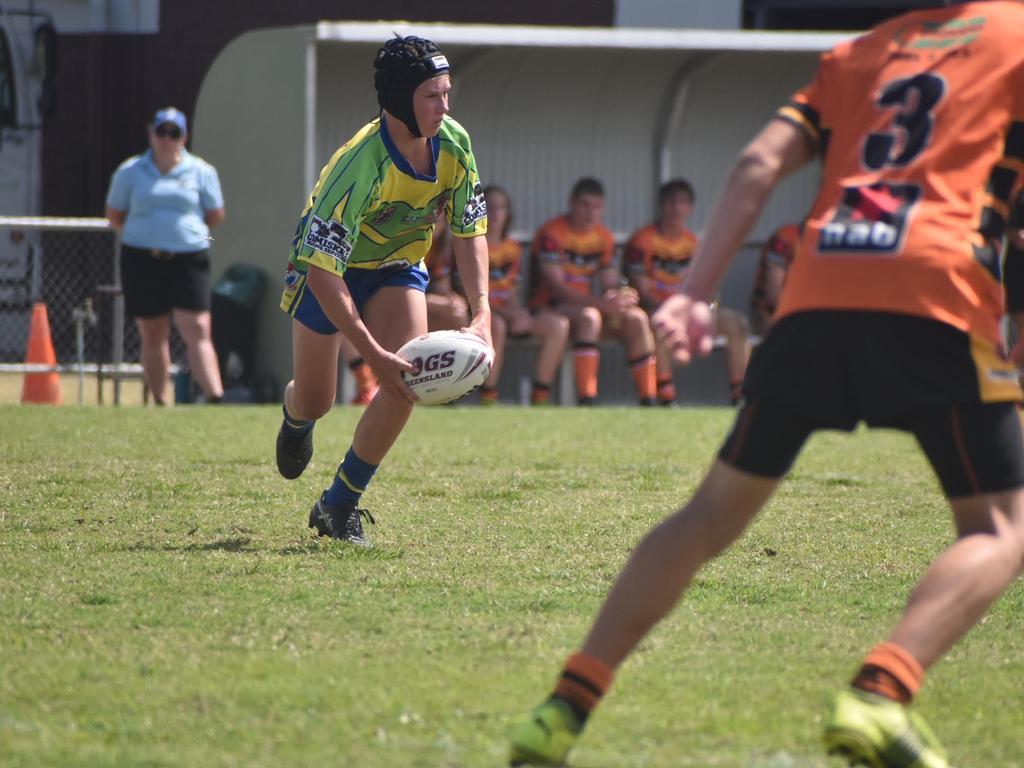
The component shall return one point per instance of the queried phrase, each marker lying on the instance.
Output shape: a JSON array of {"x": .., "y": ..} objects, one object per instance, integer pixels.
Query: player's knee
[
  {"x": 556, "y": 326},
  {"x": 733, "y": 324},
  {"x": 590, "y": 320},
  {"x": 636, "y": 324},
  {"x": 310, "y": 406}
]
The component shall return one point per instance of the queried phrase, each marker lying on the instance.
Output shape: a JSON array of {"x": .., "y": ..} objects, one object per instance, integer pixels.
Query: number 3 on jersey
[
  {"x": 910, "y": 128},
  {"x": 872, "y": 218}
]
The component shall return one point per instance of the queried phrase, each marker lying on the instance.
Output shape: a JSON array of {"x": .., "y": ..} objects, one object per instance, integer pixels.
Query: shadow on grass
[
  {"x": 319, "y": 546},
  {"x": 233, "y": 544},
  {"x": 243, "y": 544}
]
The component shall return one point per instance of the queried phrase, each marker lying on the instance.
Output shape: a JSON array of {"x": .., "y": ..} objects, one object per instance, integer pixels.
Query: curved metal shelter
[{"x": 544, "y": 106}]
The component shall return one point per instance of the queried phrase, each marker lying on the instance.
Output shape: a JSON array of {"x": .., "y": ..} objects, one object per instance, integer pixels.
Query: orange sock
[
  {"x": 365, "y": 380},
  {"x": 890, "y": 671},
  {"x": 586, "y": 359},
  {"x": 584, "y": 680},
  {"x": 541, "y": 393},
  {"x": 666, "y": 389},
  {"x": 488, "y": 395},
  {"x": 645, "y": 377}
]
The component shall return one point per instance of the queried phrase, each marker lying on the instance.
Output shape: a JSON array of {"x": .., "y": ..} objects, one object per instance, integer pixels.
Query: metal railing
[{"x": 72, "y": 266}]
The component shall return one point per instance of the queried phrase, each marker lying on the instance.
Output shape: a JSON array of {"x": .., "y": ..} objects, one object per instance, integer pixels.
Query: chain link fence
[{"x": 71, "y": 266}]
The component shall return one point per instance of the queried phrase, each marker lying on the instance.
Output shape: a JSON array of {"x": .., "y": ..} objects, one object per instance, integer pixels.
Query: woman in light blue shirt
[{"x": 163, "y": 203}]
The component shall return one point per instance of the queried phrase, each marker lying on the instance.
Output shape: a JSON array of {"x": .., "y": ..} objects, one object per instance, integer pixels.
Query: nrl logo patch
[{"x": 291, "y": 276}]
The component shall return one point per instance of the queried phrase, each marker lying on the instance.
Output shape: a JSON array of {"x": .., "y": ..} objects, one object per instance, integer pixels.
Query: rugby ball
[{"x": 446, "y": 365}]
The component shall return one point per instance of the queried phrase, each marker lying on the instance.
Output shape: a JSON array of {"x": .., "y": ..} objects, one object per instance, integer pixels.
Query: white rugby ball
[{"x": 446, "y": 365}]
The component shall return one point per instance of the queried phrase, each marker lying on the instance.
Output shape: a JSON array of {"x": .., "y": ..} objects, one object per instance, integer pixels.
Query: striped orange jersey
[
  {"x": 920, "y": 123},
  {"x": 581, "y": 255},
  {"x": 662, "y": 260},
  {"x": 503, "y": 278}
]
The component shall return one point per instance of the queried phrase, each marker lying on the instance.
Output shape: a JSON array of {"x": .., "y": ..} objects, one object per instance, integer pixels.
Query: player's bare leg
[
  {"x": 634, "y": 328},
  {"x": 871, "y": 719},
  {"x": 652, "y": 582},
  {"x": 736, "y": 330},
  {"x": 446, "y": 312},
  {"x": 307, "y": 397},
  {"x": 963, "y": 581},
  {"x": 366, "y": 382},
  {"x": 552, "y": 328},
  {"x": 665, "y": 375},
  {"x": 393, "y": 316},
  {"x": 195, "y": 330},
  {"x": 155, "y": 333},
  {"x": 585, "y": 325},
  {"x": 664, "y": 563},
  {"x": 499, "y": 333},
  {"x": 312, "y": 391}
]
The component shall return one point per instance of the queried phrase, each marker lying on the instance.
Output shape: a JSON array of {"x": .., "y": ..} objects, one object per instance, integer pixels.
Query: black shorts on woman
[
  {"x": 155, "y": 282},
  {"x": 832, "y": 369}
]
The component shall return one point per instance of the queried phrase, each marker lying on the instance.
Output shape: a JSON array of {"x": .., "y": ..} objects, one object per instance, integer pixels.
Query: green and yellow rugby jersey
[{"x": 370, "y": 209}]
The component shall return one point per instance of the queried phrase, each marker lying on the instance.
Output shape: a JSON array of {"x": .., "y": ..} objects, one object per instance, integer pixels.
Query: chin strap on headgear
[{"x": 402, "y": 64}]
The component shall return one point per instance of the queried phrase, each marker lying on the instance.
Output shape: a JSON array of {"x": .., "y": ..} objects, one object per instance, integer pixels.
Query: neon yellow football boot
[
  {"x": 545, "y": 736},
  {"x": 871, "y": 730}
]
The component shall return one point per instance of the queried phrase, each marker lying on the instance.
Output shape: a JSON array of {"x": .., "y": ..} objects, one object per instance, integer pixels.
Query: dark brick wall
[{"x": 108, "y": 86}]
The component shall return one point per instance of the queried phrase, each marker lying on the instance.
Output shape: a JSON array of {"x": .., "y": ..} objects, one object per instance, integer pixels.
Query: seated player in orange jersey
[
  {"x": 366, "y": 382},
  {"x": 776, "y": 256},
  {"x": 446, "y": 307},
  {"x": 657, "y": 258},
  {"x": 572, "y": 255},
  {"x": 509, "y": 318}
]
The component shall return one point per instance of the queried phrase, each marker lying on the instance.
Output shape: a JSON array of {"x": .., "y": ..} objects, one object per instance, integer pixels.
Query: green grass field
[{"x": 162, "y": 602}]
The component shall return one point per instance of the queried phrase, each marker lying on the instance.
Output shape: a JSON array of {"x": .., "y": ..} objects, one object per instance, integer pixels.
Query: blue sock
[
  {"x": 351, "y": 480},
  {"x": 293, "y": 426}
]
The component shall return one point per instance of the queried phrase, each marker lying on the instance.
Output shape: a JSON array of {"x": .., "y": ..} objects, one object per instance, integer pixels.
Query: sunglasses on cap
[{"x": 168, "y": 131}]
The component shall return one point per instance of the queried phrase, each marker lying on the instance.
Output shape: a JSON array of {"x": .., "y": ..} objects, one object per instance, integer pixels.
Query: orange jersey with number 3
[{"x": 921, "y": 127}]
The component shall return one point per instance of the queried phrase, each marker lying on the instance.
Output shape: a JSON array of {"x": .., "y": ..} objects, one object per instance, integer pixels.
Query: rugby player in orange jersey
[
  {"x": 574, "y": 273},
  {"x": 776, "y": 256},
  {"x": 509, "y": 318},
  {"x": 657, "y": 258},
  {"x": 895, "y": 295}
]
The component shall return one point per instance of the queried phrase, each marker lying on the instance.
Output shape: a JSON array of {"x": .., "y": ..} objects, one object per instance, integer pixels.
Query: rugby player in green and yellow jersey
[{"x": 355, "y": 268}]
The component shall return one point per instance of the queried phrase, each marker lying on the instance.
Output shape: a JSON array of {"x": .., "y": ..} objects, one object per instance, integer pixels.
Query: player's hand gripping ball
[{"x": 447, "y": 365}]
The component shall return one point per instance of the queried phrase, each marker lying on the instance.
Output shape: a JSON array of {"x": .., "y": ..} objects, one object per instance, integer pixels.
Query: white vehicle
[{"x": 26, "y": 69}]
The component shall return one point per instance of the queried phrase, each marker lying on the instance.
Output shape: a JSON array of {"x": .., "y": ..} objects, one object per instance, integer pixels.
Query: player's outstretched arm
[
  {"x": 778, "y": 150},
  {"x": 471, "y": 259},
  {"x": 684, "y": 322}
]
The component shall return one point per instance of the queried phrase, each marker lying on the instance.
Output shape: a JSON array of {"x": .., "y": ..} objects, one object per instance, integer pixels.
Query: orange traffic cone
[{"x": 40, "y": 387}]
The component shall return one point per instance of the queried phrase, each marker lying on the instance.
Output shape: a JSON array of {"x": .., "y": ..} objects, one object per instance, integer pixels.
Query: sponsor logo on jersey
[
  {"x": 870, "y": 219},
  {"x": 329, "y": 237},
  {"x": 476, "y": 207}
]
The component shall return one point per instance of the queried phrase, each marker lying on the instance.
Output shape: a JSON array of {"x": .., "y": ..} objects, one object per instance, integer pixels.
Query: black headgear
[{"x": 402, "y": 64}]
